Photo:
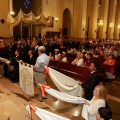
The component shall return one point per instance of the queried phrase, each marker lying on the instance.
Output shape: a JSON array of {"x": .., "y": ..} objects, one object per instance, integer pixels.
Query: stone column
[
  {"x": 111, "y": 19},
  {"x": 79, "y": 19},
  {"x": 12, "y": 13},
  {"x": 93, "y": 19},
  {"x": 83, "y": 11},
  {"x": 117, "y": 22},
  {"x": 104, "y": 15}
]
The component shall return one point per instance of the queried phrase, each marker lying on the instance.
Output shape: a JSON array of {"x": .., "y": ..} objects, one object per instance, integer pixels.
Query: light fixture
[
  {"x": 12, "y": 12},
  {"x": 111, "y": 25},
  {"x": 118, "y": 26},
  {"x": 56, "y": 19},
  {"x": 100, "y": 23}
]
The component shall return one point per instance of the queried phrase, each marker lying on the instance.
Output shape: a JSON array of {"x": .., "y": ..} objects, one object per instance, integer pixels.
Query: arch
[{"x": 66, "y": 23}]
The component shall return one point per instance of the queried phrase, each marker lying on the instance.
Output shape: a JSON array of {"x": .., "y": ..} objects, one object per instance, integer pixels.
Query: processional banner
[{"x": 26, "y": 78}]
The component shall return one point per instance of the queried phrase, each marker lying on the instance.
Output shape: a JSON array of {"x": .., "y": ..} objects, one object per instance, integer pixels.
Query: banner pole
[
  {"x": 31, "y": 31},
  {"x": 21, "y": 29}
]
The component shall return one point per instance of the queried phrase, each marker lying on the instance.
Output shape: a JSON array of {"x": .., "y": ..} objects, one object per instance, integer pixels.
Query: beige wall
[
  {"x": 4, "y": 28},
  {"x": 56, "y": 9},
  {"x": 79, "y": 10}
]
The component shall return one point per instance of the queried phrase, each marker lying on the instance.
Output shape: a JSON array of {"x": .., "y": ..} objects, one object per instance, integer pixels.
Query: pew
[{"x": 73, "y": 71}]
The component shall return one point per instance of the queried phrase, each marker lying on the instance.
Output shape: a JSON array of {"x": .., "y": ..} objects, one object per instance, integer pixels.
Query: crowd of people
[{"x": 38, "y": 52}]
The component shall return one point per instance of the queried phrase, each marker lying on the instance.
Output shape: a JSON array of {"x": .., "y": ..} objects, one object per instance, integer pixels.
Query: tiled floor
[{"x": 14, "y": 101}]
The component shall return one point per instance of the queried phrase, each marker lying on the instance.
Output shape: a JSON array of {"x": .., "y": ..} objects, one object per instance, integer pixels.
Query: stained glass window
[{"x": 26, "y": 3}]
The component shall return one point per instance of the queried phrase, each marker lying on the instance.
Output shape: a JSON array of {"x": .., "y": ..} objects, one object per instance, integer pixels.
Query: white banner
[
  {"x": 65, "y": 97},
  {"x": 45, "y": 115},
  {"x": 65, "y": 84},
  {"x": 26, "y": 78}
]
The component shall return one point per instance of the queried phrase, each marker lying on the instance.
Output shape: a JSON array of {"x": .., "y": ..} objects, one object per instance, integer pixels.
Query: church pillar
[
  {"x": 117, "y": 22},
  {"x": 111, "y": 19},
  {"x": 79, "y": 21},
  {"x": 12, "y": 13},
  {"x": 104, "y": 17},
  {"x": 93, "y": 19},
  {"x": 82, "y": 26}
]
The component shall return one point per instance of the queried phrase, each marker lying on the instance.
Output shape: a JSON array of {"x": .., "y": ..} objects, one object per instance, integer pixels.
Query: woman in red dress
[
  {"x": 88, "y": 60},
  {"x": 111, "y": 62}
]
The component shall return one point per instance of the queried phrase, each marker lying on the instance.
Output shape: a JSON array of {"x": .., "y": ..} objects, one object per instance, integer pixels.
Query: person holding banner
[
  {"x": 38, "y": 75},
  {"x": 92, "y": 81},
  {"x": 91, "y": 107}
]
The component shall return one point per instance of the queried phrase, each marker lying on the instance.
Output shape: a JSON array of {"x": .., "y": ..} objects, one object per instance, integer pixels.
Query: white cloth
[
  {"x": 65, "y": 97},
  {"x": 28, "y": 18},
  {"x": 26, "y": 78},
  {"x": 65, "y": 84},
  {"x": 89, "y": 112},
  {"x": 45, "y": 115}
]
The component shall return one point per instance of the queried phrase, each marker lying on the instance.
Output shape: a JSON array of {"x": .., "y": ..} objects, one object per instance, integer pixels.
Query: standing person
[
  {"x": 31, "y": 58},
  {"x": 91, "y": 107},
  {"x": 35, "y": 49},
  {"x": 104, "y": 114},
  {"x": 14, "y": 73},
  {"x": 41, "y": 61},
  {"x": 25, "y": 50},
  {"x": 93, "y": 80},
  {"x": 12, "y": 48}
]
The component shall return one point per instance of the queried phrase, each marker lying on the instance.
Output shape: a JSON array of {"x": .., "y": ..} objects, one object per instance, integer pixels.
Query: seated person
[
  {"x": 101, "y": 51},
  {"x": 57, "y": 55},
  {"x": 111, "y": 62},
  {"x": 88, "y": 60},
  {"x": 63, "y": 57},
  {"x": 91, "y": 107},
  {"x": 79, "y": 60},
  {"x": 14, "y": 74},
  {"x": 104, "y": 114},
  {"x": 69, "y": 50}
]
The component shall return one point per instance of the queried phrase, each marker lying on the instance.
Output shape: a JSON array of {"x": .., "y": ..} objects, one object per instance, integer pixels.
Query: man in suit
[
  {"x": 14, "y": 73},
  {"x": 35, "y": 49},
  {"x": 25, "y": 49},
  {"x": 93, "y": 80},
  {"x": 31, "y": 58},
  {"x": 4, "y": 53},
  {"x": 12, "y": 48}
]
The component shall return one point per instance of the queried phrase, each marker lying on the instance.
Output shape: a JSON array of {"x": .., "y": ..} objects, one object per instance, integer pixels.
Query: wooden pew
[
  {"x": 73, "y": 71},
  {"x": 71, "y": 57}
]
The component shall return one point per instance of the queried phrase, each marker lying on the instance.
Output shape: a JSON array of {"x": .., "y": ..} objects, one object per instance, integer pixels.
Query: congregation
[{"x": 84, "y": 51}]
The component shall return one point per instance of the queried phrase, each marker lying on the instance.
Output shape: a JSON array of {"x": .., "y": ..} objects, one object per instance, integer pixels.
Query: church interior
[{"x": 69, "y": 30}]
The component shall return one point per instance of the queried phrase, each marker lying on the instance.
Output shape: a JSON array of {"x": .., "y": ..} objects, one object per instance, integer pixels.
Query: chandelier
[
  {"x": 100, "y": 22},
  {"x": 111, "y": 25}
]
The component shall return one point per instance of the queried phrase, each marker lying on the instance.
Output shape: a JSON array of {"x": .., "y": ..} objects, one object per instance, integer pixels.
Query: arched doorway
[{"x": 66, "y": 23}]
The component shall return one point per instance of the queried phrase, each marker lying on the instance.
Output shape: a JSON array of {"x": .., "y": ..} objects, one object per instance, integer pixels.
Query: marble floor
[{"x": 14, "y": 101}]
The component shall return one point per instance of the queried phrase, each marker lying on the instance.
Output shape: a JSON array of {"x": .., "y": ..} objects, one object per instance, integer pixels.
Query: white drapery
[
  {"x": 65, "y": 97},
  {"x": 29, "y": 18},
  {"x": 65, "y": 84},
  {"x": 26, "y": 78},
  {"x": 45, "y": 115}
]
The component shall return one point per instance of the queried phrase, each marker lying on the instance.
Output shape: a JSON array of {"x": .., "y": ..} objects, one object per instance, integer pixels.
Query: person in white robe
[{"x": 90, "y": 108}]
